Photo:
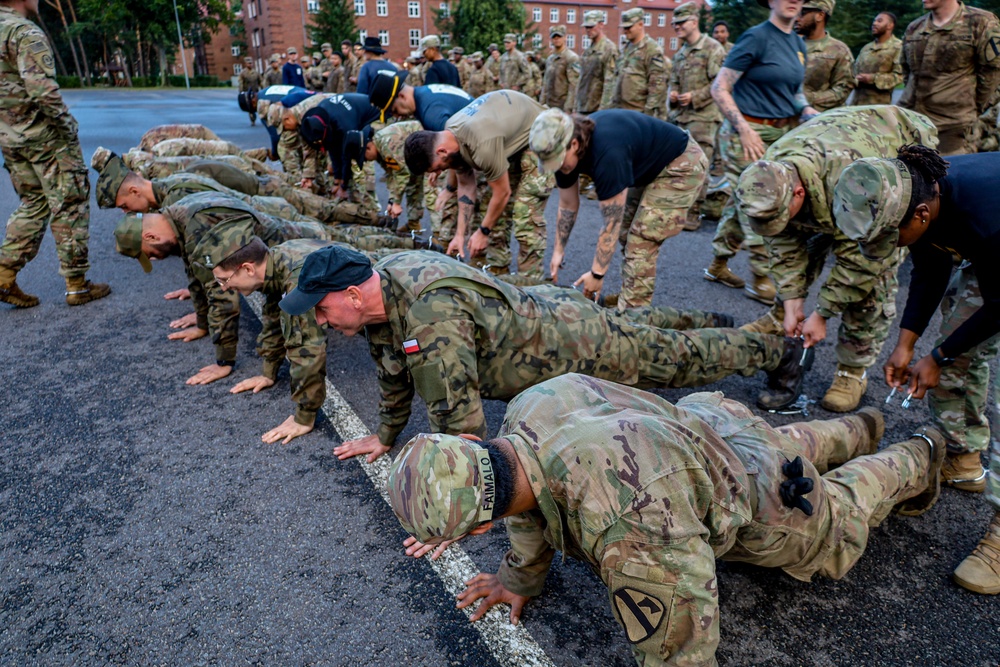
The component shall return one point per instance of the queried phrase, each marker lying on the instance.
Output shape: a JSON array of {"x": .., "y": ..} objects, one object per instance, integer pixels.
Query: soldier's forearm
[
  {"x": 566, "y": 219},
  {"x": 613, "y": 211},
  {"x": 722, "y": 93}
]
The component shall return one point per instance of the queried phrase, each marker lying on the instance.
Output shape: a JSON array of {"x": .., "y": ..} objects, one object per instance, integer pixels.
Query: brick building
[{"x": 274, "y": 25}]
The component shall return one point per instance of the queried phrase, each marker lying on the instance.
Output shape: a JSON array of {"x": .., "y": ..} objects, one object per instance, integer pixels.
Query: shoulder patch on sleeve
[
  {"x": 640, "y": 613},
  {"x": 993, "y": 48}
]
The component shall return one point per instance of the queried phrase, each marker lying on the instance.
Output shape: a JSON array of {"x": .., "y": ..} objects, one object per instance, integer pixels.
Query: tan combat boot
[
  {"x": 11, "y": 293},
  {"x": 608, "y": 300},
  {"x": 766, "y": 324},
  {"x": 875, "y": 422},
  {"x": 964, "y": 471},
  {"x": 849, "y": 385},
  {"x": 922, "y": 502},
  {"x": 980, "y": 571},
  {"x": 693, "y": 221},
  {"x": 761, "y": 288},
  {"x": 718, "y": 272},
  {"x": 79, "y": 291}
]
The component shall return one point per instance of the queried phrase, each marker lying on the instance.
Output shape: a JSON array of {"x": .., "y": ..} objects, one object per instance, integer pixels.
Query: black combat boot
[{"x": 784, "y": 383}]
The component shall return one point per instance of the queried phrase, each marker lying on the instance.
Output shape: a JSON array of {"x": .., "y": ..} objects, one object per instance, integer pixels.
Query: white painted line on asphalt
[{"x": 511, "y": 645}]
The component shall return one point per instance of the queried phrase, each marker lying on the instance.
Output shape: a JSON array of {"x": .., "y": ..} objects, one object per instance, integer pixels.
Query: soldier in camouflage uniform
[
  {"x": 788, "y": 199},
  {"x": 941, "y": 210},
  {"x": 597, "y": 67},
  {"x": 641, "y": 71},
  {"x": 314, "y": 75},
  {"x": 456, "y": 335},
  {"x": 250, "y": 80},
  {"x": 829, "y": 63},
  {"x": 951, "y": 65},
  {"x": 720, "y": 33},
  {"x": 562, "y": 73},
  {"x": 41, "y": 151},
  {"x": 691, "y": 105},
  {"x": 533, "y": 89},
  {"x": 649, "y": 494},
  {"x": 479, "y": 76},
  {"x": 273, "y": 77},
  {"x": 493, "y": 65},
  {"x": 335, "y": 78},
  {"x": 463, "y": 66},
  {"x": 415, "y": 70},
  {"x": 878, "y": 69},
  {"x": 514, "y": 71},
  {"x": 149, "y": 166},
  {"x": 155, "y": 135},
  {"x": 386, "y": 148}
]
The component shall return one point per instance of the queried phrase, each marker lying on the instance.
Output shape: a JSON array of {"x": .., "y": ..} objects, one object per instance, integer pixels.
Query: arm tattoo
[
  {"x": 566, "y": 220},
  {"x": 466, "y": 207},
  {"x": 722, "y": 92},
  {"x": 612, "y": 212},
  {"x": 464, "y": 199}
]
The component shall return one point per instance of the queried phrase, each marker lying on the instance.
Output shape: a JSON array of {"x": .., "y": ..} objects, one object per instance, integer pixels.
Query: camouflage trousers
[
  {"x": 325, "y": 210},
  {"x": 51, "y": 181},
  {"x": 704, "y": 132},
  {"x": 525, "y": 214},
  {"x": 993, "y": 474},
  {"x": 445, "y": 222},
  {"x": 155, "y": 135},
  {"x": 847, "y": 501},
  {"x": 656, "y": 212},
  {"x": 730, "y": 235},
  {"x": 958, "y": 404},
  {"x": 369, "y": 239},
  {"x": 414, "y": 193}
]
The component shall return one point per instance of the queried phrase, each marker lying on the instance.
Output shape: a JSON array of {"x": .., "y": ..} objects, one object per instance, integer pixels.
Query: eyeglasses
[{"x": 224, "y": 284}]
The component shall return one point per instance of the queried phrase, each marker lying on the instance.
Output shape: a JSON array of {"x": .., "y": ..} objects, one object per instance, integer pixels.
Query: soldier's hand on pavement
[
  {"x": 926, "y": 375},
  {"x": 488, "y": 586},
  {"x": 794, "y": 316},
  {"x": 417, "y": 549},
  {"x": 189, "y": 335},
  {"x": 478, "y": 243},
  {"x": 256, "y": 384},
  {"x": 897, "y": 367},
  {"x": 188, "y": 320},
  {"x": 591, "y": 285},
  {"x": 555, "y": 264},
  {"x": 369, "y": 445},
  {"x": 753, "y": 145},
  {"x": 179, "y": 294},
  {"x": 814, "y": 329},
  {"x": 210, "y": 374},
  {"x": 395, "y": 210},
  {"x": 457, "y": 247},
  {"x": 684, "y": 99},
  {"x": 287, "y": 431}
]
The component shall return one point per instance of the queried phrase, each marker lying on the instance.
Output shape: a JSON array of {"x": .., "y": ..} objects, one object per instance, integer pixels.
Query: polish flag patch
[{"x": 411, "y": 346}]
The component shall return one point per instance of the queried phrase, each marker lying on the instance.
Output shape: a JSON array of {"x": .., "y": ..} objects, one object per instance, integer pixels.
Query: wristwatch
[
  {"x": 940, "y": 359},
  {"x": 223, "y": 362},
  {"x": 485, "y": 231}
]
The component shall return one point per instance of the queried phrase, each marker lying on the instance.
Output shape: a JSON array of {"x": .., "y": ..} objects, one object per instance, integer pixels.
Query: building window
[
  {"x": 571, "y": 41},
  {"x": 536, "y": 14},
  {"x": 381, "y": 7},
  {"x": 362, "y": 36},
  {"x": 414, "y": 38},
  {"x": 260, "y": 64},
  {"x": 253, "y": 10},
  {"x": 673, "y": 43},
  {"x": 256, "y": 36},
  {"x": 359, "y": 8},
  {"x": 647, "y": 19},
  {"x": 312, "y": 6},
  {"x": 622, "y": 40},
  {"x": 570, "y": 16},
  {"x": 554, "y": 16},
  {"x": 536, "y": 41},
  {"x": 445, "y": 39},
  {"x": 605, "y": 15},
  {"x": 445, "y": 10},
  {"x": 585, "y": 42},
  {"x": 235, "y": 50},
  {"x": 661, "y": 19},
  {"x": 383, "y": 36},
  {"x": 413, "y": 9},
  {"x": 659, "y": 42},
  {"x": 237, "y": 69}
]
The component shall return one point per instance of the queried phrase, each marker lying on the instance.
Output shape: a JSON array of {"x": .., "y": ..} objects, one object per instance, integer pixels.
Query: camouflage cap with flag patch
[
  {"x": 549, "y": 138},
  {"x": 221, "y": 241},
  {"x": 685, "y": 12},
  {"x": 128, "y": 240},
  {"x": 441, "y": 486},
  {"x": 592, "y": 18},
  {"x": 869, "y": 202},
  {"x": 112, "y": 171},
  {"x": 763, "y": 195}
]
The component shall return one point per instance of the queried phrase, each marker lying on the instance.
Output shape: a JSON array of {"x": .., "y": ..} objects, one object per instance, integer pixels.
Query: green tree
[
  {"x": 477, "y": 23},
  {"x": 334, "y": 22}
]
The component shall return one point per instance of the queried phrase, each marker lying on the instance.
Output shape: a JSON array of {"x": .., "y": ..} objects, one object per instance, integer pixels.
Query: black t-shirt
[
  {"x": 627, "y": 149},
  {"x": 442, "y": 71},
  {"x": 968, "y": 224},
  {"x": 774, "y": 66},
  {"x": 437, "y": 103},
  {"x": 341, "y": 114}
]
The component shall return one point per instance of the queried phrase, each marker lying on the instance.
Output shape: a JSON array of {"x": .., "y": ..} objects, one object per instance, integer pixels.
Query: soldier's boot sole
[
  {"x": 846, "y": 392},
  {"x": 922, "y": 502},
  {"x": 980, "y": 571},
  {"x": 78, "y": 295},
  {"x": 723, "y": 320},
  {"x": 608, "y": 300},
  {"x": 964, "y": 471},
  {"x": 718, "y": 272},
  {"x": 784, "y": 383},
  {"x": 761, "y": 289},
  {"x": 692, "y": 223},
  {"x": 875, "y": 422},
  {"x": 12, "y": 294}
]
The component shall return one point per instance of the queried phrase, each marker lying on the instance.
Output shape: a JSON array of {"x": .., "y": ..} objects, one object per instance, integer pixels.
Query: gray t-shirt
[{"x": 494, "y": 128}]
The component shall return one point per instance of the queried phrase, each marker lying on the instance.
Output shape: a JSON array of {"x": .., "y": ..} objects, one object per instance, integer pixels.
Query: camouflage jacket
[
  {"x": 951, "y": 71},
  {"x": 335, "y": 81},
  {"x": 416, "y": 76},
  {"x": 562, "y": 76},
  {"x": 464, "y": 68},
  {"x": 819, "y": 151},
  {"x": 597, "y": 76},
  {"x": 694, "y": 69},
  {"x": 882, "y": 60},
  {"x": 299, "y": 338},
  {"x": 646, "y": 493},
  {"x": 171, "y": 189},
  {"x": 351, "y": 70},
  {"x": 493, "y": 65},
  {"x": 249, "y": 79},
  {"x": 829, "y": 76},
  {"x": 514, "y": 71},
  {"x": 534, "y": 86},
  {"x": 480, "y": 82},
  {"x": 314, "y": 77},
  {"x": 641, "y": 79},
  {"x": 389, "y": 143},
  {"x": 32, "y": 110},
  {"x": 299, "y": 159},
  {"x": 272, "y": 77},
  {"x": 217, "y": 310}
]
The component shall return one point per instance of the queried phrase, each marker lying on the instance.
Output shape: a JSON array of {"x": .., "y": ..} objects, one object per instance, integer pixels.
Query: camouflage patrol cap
[
  {"x": 291, "y": 49},
  {"x": 549, "y": 138},
  {"x": 632, "y": 16},
  {"x": 478, "y": 55},
  {"x": 458, "y": 51},
  {"x": 821, "y": 5},
  {"x": 430, "y": 42},
  {"x": 510, "y": 37},
  {"x": 221, "y": 241},
  {"x": 592, "y": 18},
  {"x": 557, "y": 30},
  {"x": 128, "y": 240},
  {"x": 275, "y": 58},
  {"x": 305, "y": 59},
  {"x": 869, "y": 202},
  {"x": 110, "y": 177},
  {"x": 493, "y": 47},
  {"x": 326, "y": 46},
  {"x": 763, "y": 194},
  {"x": 685, "y": 12},
  {"x": 317, "y": 55},
  {"x": 248, "y": 59},
  {"x": 441, "y": 486}
]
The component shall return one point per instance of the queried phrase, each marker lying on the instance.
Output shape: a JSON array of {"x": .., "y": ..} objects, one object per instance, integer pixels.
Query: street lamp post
[{"x": 180, "y": 41}]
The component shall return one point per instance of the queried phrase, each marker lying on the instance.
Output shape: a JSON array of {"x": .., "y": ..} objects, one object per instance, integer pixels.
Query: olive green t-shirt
[{"x": 492, "y": 129}]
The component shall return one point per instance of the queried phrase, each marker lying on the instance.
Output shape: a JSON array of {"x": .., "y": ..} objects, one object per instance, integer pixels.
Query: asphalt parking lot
[{"x": 143, "y": 522}]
